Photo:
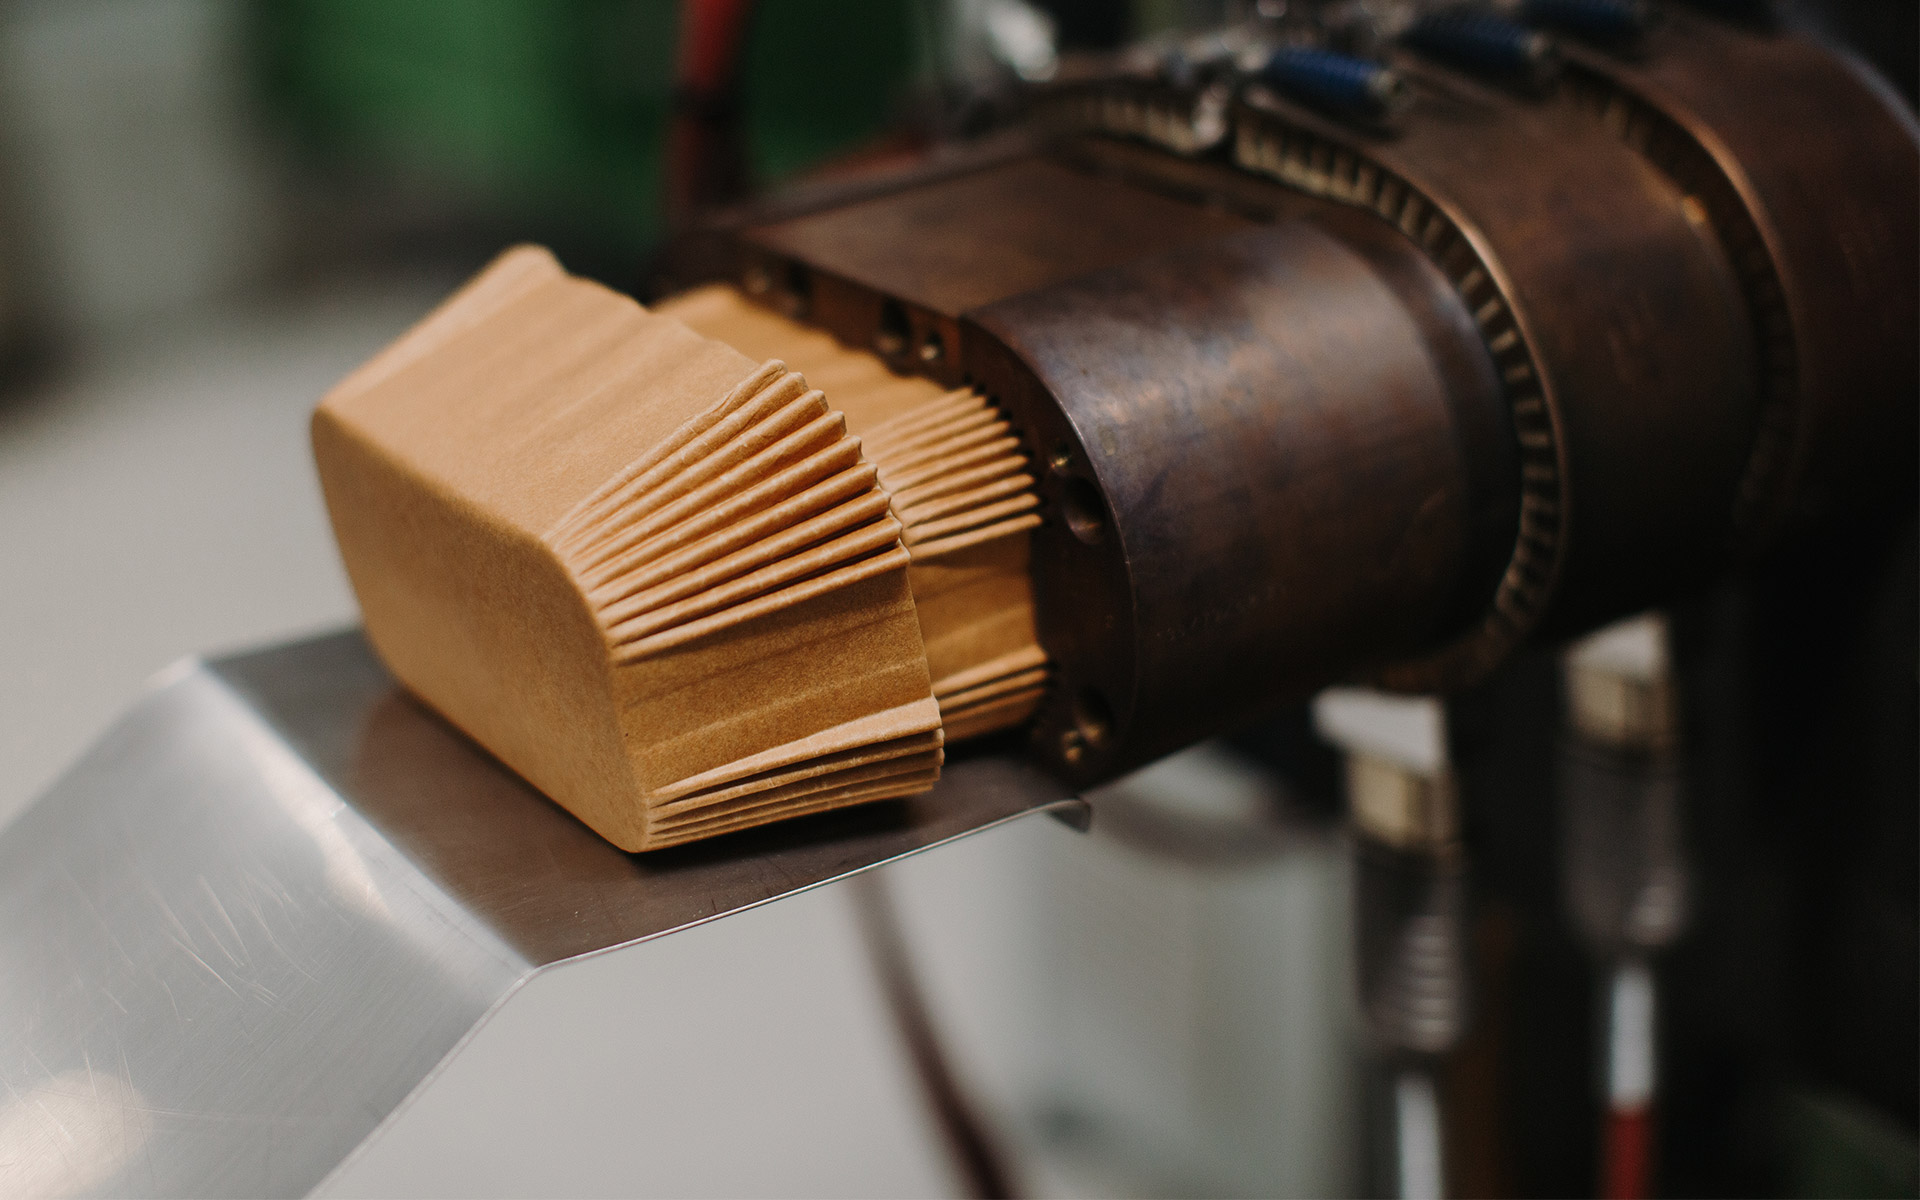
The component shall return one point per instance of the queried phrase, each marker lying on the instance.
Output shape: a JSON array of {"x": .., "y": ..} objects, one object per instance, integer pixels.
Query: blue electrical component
[
  {"x": 1486, "y": 44},
  {"x": 1616, "y": 22},
  {"x": 1339, "y": 83}
]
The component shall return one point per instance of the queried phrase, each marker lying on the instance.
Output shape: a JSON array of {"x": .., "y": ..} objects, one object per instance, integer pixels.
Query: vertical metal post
[
  {"x": 1410, "y": 901},
  {"x": 1623, "y": 862}
]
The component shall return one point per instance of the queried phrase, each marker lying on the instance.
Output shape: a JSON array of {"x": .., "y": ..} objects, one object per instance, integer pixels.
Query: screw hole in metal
[
  {"x": 1091, "y": 717},
  {"x": 796, "y": 297},
  {"x": 1085, "y": 515},
  {"x": 890, "y": 339},
  {"x": 1092, "y": 726}
]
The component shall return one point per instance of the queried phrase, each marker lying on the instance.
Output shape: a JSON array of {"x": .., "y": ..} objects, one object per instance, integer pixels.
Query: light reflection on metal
[
  {"x": 71, "y": 1134},
  {"x": 262, "y": 909}
]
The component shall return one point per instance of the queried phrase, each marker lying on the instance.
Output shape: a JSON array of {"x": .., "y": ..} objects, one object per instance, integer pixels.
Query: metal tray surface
[{"x": 278, "y": 893}]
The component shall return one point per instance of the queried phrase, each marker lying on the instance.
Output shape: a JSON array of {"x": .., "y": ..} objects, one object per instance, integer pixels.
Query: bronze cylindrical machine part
[
  {"x": 1271, "y": 460},
  {"x": 1336, "y": 401},
  {"x": 1804, "y": 163}
]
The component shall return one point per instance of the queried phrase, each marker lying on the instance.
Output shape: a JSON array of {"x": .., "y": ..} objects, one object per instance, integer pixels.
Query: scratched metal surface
[{"x": 269, "y": 901}]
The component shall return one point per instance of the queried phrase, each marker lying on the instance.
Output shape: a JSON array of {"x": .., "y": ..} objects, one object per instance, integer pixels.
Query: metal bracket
[{"x": 278, "y": 893}]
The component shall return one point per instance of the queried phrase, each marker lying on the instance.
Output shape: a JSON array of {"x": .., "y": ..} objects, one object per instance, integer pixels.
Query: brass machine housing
[{"x": 1315, "y": 399}]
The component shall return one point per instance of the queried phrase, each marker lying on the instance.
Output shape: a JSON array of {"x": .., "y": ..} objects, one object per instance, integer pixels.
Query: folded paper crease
[
  {"x": 961, "y": 487},
  {"x": 654, "y": 576}
]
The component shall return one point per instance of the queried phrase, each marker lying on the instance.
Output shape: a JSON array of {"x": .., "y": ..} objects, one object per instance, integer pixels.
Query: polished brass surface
[
  {"x": 1803, "y": 163},
  {"x": 1326, "y": 399},
  {"x": 896, "y": 272},
  {"x": 1255, "y": 411}
]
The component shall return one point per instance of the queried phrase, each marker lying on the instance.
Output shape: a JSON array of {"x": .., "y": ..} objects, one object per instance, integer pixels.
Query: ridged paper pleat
[
  {"x": 960, "y": 485},
  {"x": 713, "y": 630}
]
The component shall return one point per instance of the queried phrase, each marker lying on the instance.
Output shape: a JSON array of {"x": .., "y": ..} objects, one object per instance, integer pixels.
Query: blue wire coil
[
  {"x": 1339, "y": 83},
  {"x": 1484, "y": 43}
]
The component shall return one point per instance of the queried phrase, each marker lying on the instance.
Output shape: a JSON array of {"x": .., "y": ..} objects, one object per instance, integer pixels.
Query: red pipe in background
[
  {"x": 1627, "y": 1169},
  {"x": 706, "y": 163},
  {"x": 1629, "y": 1154},
  {"x": 711, "y": 35}
]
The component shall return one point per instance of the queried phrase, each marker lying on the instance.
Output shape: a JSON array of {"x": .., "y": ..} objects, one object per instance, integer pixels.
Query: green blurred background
[
  {"x": 551, "y": 114},
  {"x": 156, "y": 154}
]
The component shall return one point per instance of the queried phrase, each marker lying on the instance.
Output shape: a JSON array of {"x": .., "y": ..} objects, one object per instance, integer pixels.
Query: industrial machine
[
  {"x": 1345, "y": 368},
  {"x": 1376, "y": 345},
  {"x": 1391, "y": 347}
]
